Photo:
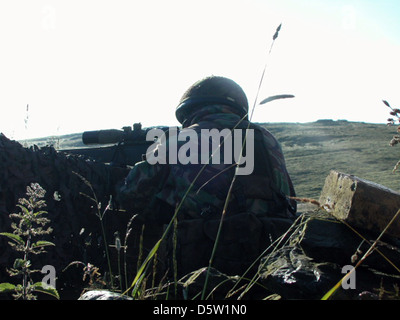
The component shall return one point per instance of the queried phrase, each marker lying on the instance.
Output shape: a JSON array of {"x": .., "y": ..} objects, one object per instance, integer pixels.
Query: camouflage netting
[{"x": 77, "y": 230}]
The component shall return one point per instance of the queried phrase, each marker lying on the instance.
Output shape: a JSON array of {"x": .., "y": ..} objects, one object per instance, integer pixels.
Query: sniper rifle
[{"x": 119, "y": 148}]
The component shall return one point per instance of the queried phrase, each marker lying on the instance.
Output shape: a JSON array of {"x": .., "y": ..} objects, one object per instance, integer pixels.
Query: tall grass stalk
[
  {"x": 175, "y": 262},
  {"x": 100, "y": 215},
  {"x": 127, "y": 234},
  {"x": 118, "y": 247},
  {"x": 227, "y": 200}
]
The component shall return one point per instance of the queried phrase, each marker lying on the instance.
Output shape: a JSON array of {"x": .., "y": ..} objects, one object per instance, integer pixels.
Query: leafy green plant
[{"x": 29, "y": 226}]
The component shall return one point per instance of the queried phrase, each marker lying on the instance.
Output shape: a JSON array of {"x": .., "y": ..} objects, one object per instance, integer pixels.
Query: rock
[
  {"x": 103, "y": 295},
  {"x": 361, "y": 203},
  {"x": 293, "y": 275},
  {"x": 328, "y": 240},
  {"x": 309, "y": 261}
]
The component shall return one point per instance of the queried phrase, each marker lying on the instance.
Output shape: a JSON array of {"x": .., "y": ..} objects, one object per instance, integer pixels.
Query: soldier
[{"x": 156, "y": 191}]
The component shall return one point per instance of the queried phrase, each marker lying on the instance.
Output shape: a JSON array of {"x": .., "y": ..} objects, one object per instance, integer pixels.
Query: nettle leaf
[
  {"x": 19, "y": 263},
  {"x": 6, "y": 287},
  {"x": 40, "y": 287},
  {"x": 42, "y": 243},
  {"x": 38, "y": 213},
  {"x": 23, "y": 209},
  {"x": 13, "y": 237}
]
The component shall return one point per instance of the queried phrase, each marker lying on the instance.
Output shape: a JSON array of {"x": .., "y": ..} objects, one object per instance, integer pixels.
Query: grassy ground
[{"x": 313, "y": 149}]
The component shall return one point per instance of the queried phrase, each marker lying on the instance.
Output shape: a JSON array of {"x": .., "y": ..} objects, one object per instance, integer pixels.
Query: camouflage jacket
[{"x": 156, "y": 190}]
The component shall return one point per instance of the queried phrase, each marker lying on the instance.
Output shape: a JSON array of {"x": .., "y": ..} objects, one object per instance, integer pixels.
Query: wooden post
[{"x": 361, "y": 203}]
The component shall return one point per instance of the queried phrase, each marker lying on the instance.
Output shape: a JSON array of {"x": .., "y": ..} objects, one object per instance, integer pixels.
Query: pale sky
[{"x": 96, "y": 64}]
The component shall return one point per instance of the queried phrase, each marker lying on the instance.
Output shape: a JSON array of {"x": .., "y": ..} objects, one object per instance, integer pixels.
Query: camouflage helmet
[{"x": 212, "y": 90}]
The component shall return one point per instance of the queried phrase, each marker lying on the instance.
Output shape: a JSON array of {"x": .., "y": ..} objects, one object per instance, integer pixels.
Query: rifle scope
[
  {"x": 112, "y": 136},
  {"x": 109, "y": 136}
]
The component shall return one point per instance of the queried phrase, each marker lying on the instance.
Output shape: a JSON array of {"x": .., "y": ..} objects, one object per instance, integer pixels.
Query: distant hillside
[
  {"x": 313, "y": 149},
  {"x": 360, "y": 149},
  {"x": 69, "y": 141}
]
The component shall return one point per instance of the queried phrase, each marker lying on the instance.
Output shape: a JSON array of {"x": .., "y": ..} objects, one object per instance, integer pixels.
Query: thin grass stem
[{"x": 237, "y": 167}]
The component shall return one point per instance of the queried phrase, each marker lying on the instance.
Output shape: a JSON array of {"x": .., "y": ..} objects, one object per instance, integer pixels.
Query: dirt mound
[{"x": 77, "y": 231}]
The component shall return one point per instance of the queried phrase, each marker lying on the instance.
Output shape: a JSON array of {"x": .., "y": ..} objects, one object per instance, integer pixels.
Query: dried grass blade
[{"x": 276, "y": 97}]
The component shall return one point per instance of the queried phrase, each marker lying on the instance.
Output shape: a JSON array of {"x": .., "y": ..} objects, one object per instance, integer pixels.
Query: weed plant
[
  {"x": 29, "y": 226},
  {"x": 395, "y": 112},
  {"x": 91, "y": 274}
]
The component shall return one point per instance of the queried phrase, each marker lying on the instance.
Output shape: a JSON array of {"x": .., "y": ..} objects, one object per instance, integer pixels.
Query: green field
[{"x": 313, "y": 149}]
